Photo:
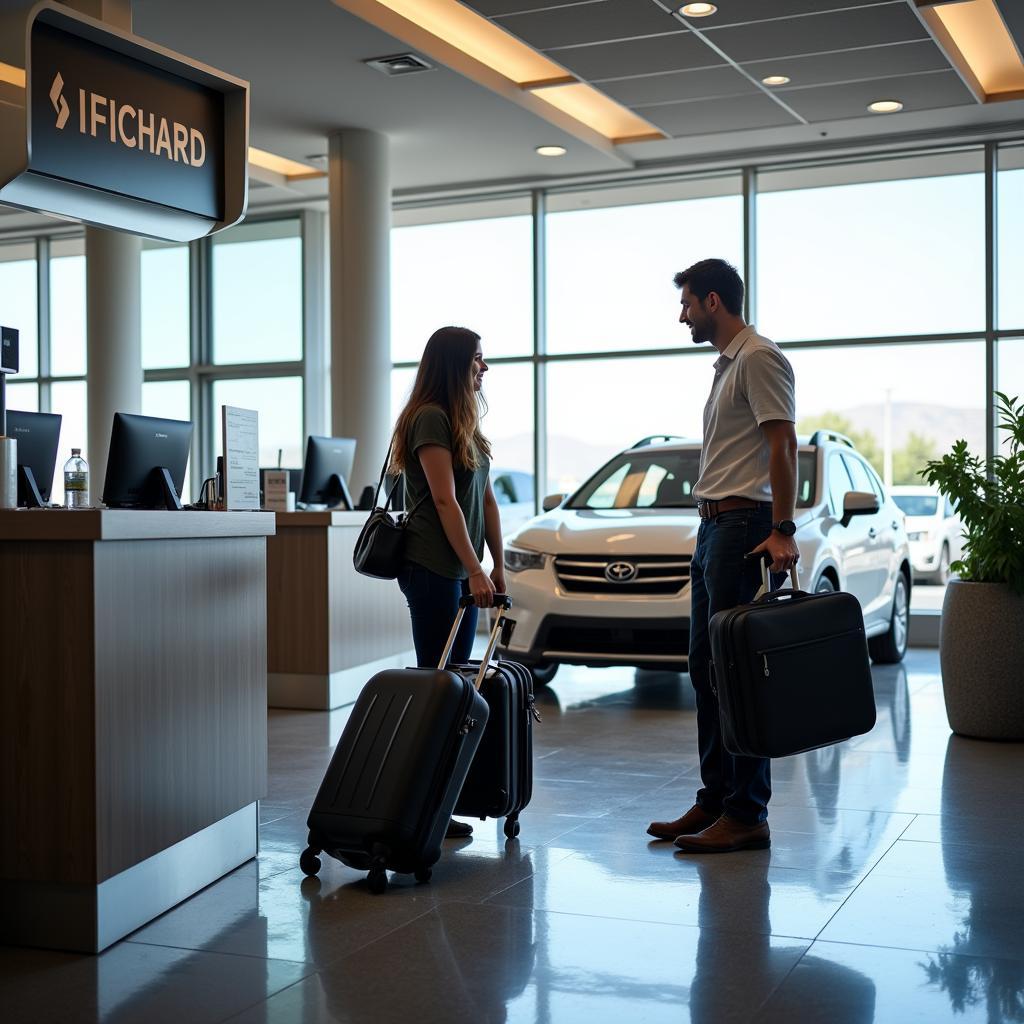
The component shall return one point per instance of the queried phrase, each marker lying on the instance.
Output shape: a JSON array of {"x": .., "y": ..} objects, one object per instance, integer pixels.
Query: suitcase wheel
[
  {"x": 309, "y": 862},
  {"x": 377, "y": 880},
  {"x": 423, "y": 875},
  {"x": 511, "y": 828}
]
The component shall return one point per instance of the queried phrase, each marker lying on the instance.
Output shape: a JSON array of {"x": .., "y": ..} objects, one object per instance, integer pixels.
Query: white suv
[
  {"x": 602, "y": 576},
  {"x": 933, "y": 529}
]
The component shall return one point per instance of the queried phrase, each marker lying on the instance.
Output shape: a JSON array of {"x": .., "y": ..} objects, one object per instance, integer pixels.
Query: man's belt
[{"x": 711, "y": 509}]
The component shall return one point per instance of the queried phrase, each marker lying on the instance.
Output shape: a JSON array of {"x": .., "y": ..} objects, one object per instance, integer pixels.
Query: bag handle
[
  {"x": 765, "y": 592},
  {"x": 502, "y": 602},
  {"x": 391, "y": 493}
]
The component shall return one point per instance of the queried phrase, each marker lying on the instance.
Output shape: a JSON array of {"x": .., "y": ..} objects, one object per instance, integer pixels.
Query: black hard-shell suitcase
[
  {"x": 500, "y": 780},
  {"x": 391, "y": 786},
  {"x": 791, "y": 671}
]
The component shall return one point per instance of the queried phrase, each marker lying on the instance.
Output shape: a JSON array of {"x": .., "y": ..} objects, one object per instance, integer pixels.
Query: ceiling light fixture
[
  {"x": 290, "y": 170},
  {"x": 776, "y": 80},
  {"x": 551, "y": 151},
  {"x": 12, "y": 75},
  {"x": 697, "y": 10},
  {"x": 885, "y": 106},
  {"x": 973, "y": 34}
]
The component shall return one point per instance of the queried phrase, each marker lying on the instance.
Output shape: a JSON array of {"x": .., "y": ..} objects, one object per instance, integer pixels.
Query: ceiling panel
[
  {"x": 851, "y": 65},
  {"x": 676, "y": 52},
  {"x": 678, "y": 85},
  {"x": 733, "y": 12},
  {"x": 495, "y": 8},
  {"x": 702, "y": 117},
  {"x": 590, "y": 23},
  {"x": 836, "y": 30},
  {"x": 915, "y": 92}
]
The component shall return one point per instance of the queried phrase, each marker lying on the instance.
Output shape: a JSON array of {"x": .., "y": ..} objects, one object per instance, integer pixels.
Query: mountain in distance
[{"x": 941, "y": 424}]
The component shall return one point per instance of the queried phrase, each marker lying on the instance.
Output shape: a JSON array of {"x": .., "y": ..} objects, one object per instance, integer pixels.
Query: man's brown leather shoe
[
  {"x": 727, "y": 835},
  {"x": 695, "y": 820}
]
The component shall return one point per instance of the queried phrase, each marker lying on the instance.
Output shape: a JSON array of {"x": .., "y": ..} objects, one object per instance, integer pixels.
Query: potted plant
[{"x": 981, "y": 643}]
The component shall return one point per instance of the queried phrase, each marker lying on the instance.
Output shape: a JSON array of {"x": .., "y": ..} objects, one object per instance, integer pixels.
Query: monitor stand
[
  {"x": 336, "y": 493},
  {"x": 165, "y": 488},
  {"x": 28, "y": 489}
]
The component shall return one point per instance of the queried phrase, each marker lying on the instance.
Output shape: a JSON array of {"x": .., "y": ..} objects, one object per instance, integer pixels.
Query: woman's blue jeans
[
  {"x": 433, "y": 604},
  {"x": 721, "y": 579}
]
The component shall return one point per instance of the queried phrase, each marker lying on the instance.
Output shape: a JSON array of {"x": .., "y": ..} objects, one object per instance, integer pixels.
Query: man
[{"x": 746, "y": 491}]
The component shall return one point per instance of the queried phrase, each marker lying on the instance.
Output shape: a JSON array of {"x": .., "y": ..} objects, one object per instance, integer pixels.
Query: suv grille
[{"x": 641, "y": 574}]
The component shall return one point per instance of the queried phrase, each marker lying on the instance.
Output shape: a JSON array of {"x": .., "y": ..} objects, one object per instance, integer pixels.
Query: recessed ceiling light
[
  {"x": 885, "y": 106},
  {"x": 551, "y": 150},
  {"x": 776, "y": 80},
  {"x": 697, "y": 10}
]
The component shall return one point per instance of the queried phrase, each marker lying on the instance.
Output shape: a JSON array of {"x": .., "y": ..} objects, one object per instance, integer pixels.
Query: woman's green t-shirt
[{"x": 425, "y": 540}]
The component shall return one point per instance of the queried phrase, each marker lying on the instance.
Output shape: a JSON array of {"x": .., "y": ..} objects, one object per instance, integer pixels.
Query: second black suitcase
[
  {"x": 500, "y": 780},
  {"x": 791, "y": 671},
  {"x": 390, "y": 789}
]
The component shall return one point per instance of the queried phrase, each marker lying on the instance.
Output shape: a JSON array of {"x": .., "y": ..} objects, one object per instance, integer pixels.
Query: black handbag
[{"x": 380, "y": 546}]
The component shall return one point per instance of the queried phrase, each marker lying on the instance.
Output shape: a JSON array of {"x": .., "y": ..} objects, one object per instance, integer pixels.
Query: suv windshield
[
  {"x": 664, "y": 479},
  {"x": 916, "y": 504}
]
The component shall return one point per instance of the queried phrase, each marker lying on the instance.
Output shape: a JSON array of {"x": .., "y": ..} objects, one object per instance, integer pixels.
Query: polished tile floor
[{"x": 893, "y": 892}]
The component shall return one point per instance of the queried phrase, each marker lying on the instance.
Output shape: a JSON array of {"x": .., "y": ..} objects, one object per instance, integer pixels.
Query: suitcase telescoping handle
[
  {"x": 502, "y": 602},
  {"x": 764, "y": 560}
]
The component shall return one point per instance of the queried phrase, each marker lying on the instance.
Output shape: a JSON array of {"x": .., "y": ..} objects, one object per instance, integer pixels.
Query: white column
[
  {"x": 113, "y": 304},
  {"x": 360, "y": 229}
]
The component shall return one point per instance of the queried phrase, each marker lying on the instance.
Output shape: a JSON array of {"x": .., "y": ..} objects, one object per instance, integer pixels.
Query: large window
[
  {"x": 1011, "y": 368},
  {"x": 18, "y": 297},
  {"x": 1010, "y": 205},
  {"x": 257, "y": 293},
  {"x": 67, "y": 308},
  {"x": 278, "y": 400},
  {"x": 165, "y": 305},
  {"x": 872, "y": 250},
  {"x": 611, "y": 257}
]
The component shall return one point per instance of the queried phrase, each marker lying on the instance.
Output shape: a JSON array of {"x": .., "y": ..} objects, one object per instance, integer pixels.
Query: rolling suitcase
[
  {"x": 500, "y": 780},
  {"x": 791, "y": 671},
  {"x": 391, "y": 786}
]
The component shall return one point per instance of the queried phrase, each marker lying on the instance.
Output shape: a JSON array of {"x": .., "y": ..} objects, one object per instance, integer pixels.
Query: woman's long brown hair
[{"x": 445, "y": 378}]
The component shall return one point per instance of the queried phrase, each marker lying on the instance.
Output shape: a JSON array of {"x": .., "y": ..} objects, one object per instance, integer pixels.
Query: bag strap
[{"x": 391, "y": 493}]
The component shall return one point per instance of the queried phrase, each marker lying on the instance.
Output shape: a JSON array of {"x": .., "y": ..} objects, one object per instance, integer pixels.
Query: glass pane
[
  {"x": 931, "y": 395},
  {"x": 641, "y": 397},
  {"x": 1010, "y": 206},
  {"x": 1011, "y": 367},
  {"x": 170, "y": 399},
  {"x": 610, "y": 270},
  {"x": 67, "y": 308},
  {"x": 871, "y": 258},
  {"x": 24, "y": 397},
  {"x": 469, "y": 273},
  {"x": 69, "y": 399},
  {"x": 257, "y": 293},
  {"x": 18, "y": 302},
  {"x": 165, "y": 306},
  {"x": 278, "y": 400}
]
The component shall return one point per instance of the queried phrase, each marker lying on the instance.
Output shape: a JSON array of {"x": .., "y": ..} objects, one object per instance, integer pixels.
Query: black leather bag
[{"x": 380, "y": 546}]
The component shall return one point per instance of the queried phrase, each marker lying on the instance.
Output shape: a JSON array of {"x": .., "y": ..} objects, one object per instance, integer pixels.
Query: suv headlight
[
  {"x": 918, "y": 535},
  {"x": 517, "y": 560}
]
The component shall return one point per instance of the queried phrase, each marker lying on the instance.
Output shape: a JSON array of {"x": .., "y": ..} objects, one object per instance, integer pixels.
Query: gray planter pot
[{"x": 981, "y": 649}]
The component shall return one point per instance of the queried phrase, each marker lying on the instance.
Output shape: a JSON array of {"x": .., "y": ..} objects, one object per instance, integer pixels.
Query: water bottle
[{"x": 76, "y": 481}]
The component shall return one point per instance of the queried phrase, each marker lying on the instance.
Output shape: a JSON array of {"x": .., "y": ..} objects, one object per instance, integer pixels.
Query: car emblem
[{"x": 620, "y": 572}]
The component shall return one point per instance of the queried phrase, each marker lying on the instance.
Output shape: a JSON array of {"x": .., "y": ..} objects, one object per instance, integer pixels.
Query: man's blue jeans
[
  {"x": 433, "y": 603},
  {"x": 720, "y": 579}
]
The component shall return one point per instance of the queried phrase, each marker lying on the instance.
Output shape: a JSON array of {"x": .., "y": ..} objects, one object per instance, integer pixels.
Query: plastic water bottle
[{"x": 76, "y": 481}]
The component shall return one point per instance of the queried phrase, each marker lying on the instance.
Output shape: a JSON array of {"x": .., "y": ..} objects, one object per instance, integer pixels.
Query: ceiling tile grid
[{"x": 691, "y": 76}]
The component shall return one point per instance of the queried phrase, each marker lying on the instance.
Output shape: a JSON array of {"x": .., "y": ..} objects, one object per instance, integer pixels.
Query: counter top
[
  {"x": 355, "y": 519},
  {"x": 130, "y": 524}
]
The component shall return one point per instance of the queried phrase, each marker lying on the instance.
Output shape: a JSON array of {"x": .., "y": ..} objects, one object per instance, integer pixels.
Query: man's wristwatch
[{"x": 785, "y": 526}]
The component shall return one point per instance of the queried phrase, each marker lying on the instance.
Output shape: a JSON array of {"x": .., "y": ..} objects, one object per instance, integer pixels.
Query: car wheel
[
  {"x": 543, "y": 672},
  {"x": 890, "y": 647},
  {"x": 824, "y": 586},
  {"x": 942, "y": 573}
]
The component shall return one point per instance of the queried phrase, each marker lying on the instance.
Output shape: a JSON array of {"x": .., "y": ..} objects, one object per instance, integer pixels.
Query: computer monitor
[
  {"x": 326, "y": 471},
  {"x": 146, "y": 463},
  {"x": 37, "y": 434}
]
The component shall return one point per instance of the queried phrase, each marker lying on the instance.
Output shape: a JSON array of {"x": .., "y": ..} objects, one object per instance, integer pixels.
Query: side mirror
[
  {"x": 552, "y": 501},
  {"x": 859, "y": 503}
]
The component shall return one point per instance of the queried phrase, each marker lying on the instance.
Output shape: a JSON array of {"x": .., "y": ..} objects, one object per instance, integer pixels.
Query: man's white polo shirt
[{"x": 754, "y": 383}]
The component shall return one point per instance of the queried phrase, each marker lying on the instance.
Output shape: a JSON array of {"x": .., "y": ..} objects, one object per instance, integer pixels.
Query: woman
[{"x": 439, "y": 447}]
